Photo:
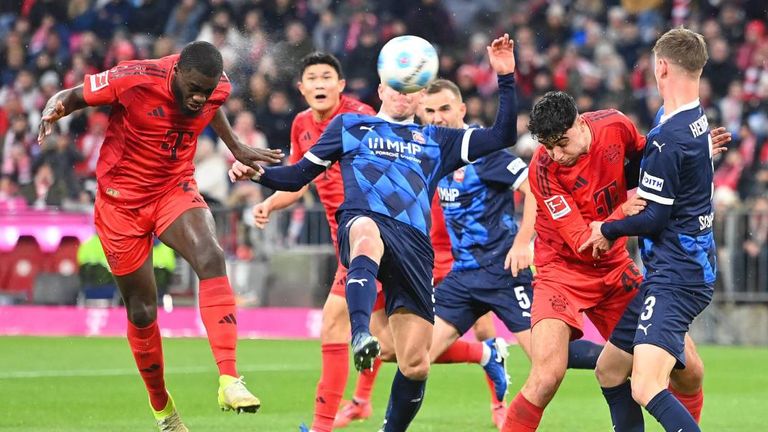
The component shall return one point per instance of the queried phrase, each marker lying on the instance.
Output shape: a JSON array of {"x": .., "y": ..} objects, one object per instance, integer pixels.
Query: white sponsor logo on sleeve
[
  {"x": 515, "y": 166},
  {"x": 652, "y": 182},
  {"x": 99, "y": 81}
]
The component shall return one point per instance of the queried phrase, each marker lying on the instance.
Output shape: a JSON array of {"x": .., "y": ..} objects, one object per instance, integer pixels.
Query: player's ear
[
  {"x": 342, "y": 85},
  {"x": 463, "y": 109}
]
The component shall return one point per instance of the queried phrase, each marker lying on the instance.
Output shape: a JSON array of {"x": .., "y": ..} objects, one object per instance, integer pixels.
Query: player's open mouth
[
  {"x": 321, "y": 97},
  {"x": 194, "y": 107}
]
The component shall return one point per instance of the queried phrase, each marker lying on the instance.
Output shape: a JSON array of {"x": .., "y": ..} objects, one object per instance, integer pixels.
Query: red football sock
[
  {"x": 217, "y": 308},
  {"x": 330, "y": 388},
  {"x": 522, "y": 415},
  {"x": 365, "y": 382},
  {"x": 462, "y": 351},
  {"x": 492, "y": 388},
  {"x": 692, "y": 402},
  {"x": 147, "y": 348}
]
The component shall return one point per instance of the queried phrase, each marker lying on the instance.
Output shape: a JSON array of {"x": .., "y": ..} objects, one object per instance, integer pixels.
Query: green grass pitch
[{"x": 90, "y": 384}]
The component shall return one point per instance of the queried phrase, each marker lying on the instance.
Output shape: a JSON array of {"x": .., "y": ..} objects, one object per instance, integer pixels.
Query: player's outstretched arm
[
  {"x": 243, "y": 153},
  {"x": 649, "y": 222},
  {"x": 60, "y": 105},
  {"x": 290, "y": 178}
]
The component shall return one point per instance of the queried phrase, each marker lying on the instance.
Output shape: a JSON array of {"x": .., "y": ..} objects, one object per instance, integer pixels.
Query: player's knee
[
  {"x": 483, "y": 332},
  {"x": 415, "y": 368},
  {"x": 607, "y": 376},
  {"x": 546, "y": 383},
  {"x": 646, "y": 385},
  {"x": 141, "y": 314},
  {"x": 691, "y": 379},
  {"x": 416, "y": 372},
  {"x": 643, "y": 390},
  {"x": 543, "y": 387},
  {"x": 335, "y": 331},
  {"x": 365, "y": 239},
  {"x": 209, "y": 261},
  {"x": 387, "y": 352}
]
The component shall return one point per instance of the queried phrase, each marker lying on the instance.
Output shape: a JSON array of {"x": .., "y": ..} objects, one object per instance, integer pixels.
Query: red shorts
[
  {"x": 127, "y": 234},
  {"x": 563, "y": 292},
  {"x": 339, "y": 287},
  {"x": 443, "y": 263}
]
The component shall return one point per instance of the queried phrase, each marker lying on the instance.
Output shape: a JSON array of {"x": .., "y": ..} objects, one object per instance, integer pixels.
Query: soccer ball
[{"x": 407, "y": 64}]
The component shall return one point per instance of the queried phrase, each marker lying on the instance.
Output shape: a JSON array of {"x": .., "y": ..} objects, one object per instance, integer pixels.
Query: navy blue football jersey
[
  {"x": 390, "y": 168},
  {"x": 677, "y": 171},
  {"x": 479, "y": 209}
]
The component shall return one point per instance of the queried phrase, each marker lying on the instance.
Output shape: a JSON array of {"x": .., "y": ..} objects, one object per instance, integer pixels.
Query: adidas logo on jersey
[{"x": 157, "y": 112}]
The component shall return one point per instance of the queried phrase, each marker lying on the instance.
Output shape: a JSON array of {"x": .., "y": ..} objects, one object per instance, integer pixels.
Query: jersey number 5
[{"x": 176, "y": 139}]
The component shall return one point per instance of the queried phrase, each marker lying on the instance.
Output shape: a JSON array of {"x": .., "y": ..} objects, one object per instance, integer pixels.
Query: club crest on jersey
[
  {"x": 612, "y": 152},
  {"x": 458, "y": 175},
  {"x": 557, "y": 206},
  {"x": 99, "y": 81},
  {"x": 418, "y": 137},
  {"x": 652, "y": 182}
]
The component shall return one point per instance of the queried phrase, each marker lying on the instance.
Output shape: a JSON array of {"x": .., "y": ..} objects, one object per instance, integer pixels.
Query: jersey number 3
[{"x": 176, "y": 139}]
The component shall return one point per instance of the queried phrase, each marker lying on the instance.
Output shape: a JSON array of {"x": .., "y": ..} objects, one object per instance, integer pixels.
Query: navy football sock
[
  {"x": 404, "y": 402},
  {"x": 361, "y": 292},
  {"x": 583, "y": 354},
  {"x": 671, "y": 413},
  {"x": 626, "y": 414}
]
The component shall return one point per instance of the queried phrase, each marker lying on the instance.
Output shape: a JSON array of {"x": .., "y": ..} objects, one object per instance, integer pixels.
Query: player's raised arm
[
  {"x": 243, "y": 153},
  {"x": 476, "y": 143},
  {"x": 60, "y": 105}
]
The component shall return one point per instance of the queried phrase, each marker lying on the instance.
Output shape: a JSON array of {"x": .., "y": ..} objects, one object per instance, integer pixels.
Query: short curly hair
[
  {"x": 551, "y": 118},
  {"x": 202, "y": 57}
]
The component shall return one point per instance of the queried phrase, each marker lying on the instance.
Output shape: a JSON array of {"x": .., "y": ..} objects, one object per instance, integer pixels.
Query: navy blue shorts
[
  {"x": 405, "y": 271},
  {"x": 660, "y": 315},
  {"x": 465, "y": 296}
]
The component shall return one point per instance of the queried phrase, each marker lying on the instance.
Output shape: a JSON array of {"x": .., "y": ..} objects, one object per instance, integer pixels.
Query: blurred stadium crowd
[{"x": 596, "y": 50}]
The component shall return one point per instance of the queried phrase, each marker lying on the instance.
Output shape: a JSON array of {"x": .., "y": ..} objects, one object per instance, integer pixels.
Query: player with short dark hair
[
  {"x": 479, "y": 210},
  {"x": 676, "y": 242},
  {"x": 146, "y": 188},
  {"x": 390, "y": 168},
  {"x": 578, "y": 176}
]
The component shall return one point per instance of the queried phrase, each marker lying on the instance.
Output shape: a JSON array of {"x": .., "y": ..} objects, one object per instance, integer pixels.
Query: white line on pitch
[{"x": 133, "y": 371}]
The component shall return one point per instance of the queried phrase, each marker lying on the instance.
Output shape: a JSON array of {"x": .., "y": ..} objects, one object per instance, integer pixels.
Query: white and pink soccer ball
[{"x": 407, "y": 63}]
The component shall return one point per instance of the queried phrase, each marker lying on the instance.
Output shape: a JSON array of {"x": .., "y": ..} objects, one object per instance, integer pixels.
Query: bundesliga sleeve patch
[
  {"x": 652, "y": 182},
  {"x": 99, "y": 81},
  {"x": 557, "y": 206},
  {"x": 515, "y": 166}
]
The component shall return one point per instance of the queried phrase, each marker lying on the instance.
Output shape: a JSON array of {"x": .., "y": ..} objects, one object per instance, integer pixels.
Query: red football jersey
[
  {"x": 149, "y": 143},
  {"x": 305, "y": 131},
  {"x": 569, "y": 198},
  {"x": 441, "y": 242}
]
